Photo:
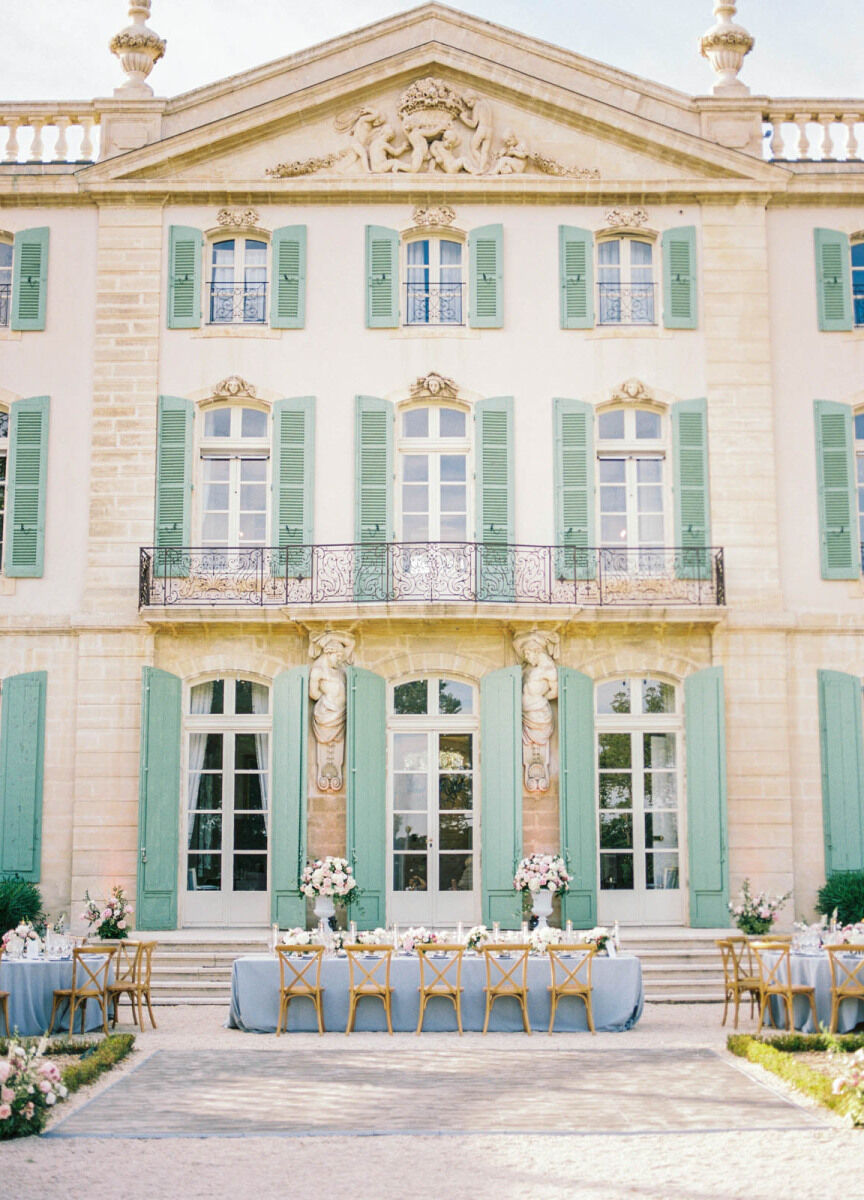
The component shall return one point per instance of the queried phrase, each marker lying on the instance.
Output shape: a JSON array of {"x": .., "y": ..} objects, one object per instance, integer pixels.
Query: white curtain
[
  {"x": 261, "y": 704},
  {"x": 202, "y": 699}
]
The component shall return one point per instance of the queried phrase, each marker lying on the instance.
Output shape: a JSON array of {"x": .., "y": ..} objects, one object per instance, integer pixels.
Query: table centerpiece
[
  {"x": 329, "y": 881},
  {"x": 756, "y": 914},
  {"x": 23, "y": 939},
  {"x": 538, "y": 878},
  {"x": 110, "y": 921}
]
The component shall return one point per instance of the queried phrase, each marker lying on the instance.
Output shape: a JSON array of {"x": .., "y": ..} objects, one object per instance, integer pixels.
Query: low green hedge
[
  {"x": 775, "y": 1055},
  {"x": 96, "y": 1057}
]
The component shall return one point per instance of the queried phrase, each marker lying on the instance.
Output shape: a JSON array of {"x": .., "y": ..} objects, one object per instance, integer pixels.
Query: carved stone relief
[
  {"x": 439, "y": 214},
  {"x": 538, "y": 651},
  {"x": 233, "y": 387},
  {"x": 435, "y": 129},
  {"x": 434, "y": 385},
  {"x": 237, "y": 218},
  {"x": 632, "y": 390},
  {"x": 632, "y": 218},
  {"x": 332, "y": 650}
]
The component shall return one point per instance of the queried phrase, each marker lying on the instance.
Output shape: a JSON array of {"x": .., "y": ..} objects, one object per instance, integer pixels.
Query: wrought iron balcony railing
[
  {"x": 5, "y": 292},
  {"x": 434, "y": 304},
  {"x": 429, "y": 572},
  {"x": 627, "y": 303},
  {"x": 237, "y": 303}
]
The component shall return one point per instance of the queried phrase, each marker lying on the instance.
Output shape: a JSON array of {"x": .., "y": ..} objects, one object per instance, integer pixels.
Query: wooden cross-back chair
[
  {"x": 507, "y": 975},
  {"x": 571, "y": 978},
  {"x": 740, "y": 974},
  {"x": 441, "y": 978},
  {"x": 132, "y": 968},
  {"x": 91, "y": 967},
  {"x": 847, "y": 980},
  {"x": 300, "y": 977},
  {"x": 775, "y": 979},
  {"x": 4, "y": 998},
  {"x": 369, "y": 975}
]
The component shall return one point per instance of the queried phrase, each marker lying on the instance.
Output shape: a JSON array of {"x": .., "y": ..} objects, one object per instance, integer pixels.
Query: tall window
[
  {"x": 859, "y": 478},
  {"x": 4, "y": 451},
  {"x": 858, "y": 282},
  {"x": 638, "y": 799},
  {"x": 238, "y": 281},
  {"x": 5, "y": 281},
  {"x": 434, "y": 449},
  {"x": 235, "y": 452},
  {"x": 434, "y": 286},
  {"x": 625, "y": 281},
  {"x": 227, "y": 801},
  {"x": 632, "y": 484}
]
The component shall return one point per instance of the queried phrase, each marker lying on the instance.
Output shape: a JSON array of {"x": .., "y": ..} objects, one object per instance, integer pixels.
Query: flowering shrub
[
  {"x": 478, "y": 936},
  {"x": 418, "y": 935},
  {"x": 756, "y": 914},
  {"x": 329, "y": 877},
  {"x": 850, "y": 1081},
  {"x": 296, "y": 937},
  {"x": 28, "y": 1089},
  {"x": 541, "y": 871},
  {"x": 373, "y": 937},
  {"x": 109, "y": 921}
]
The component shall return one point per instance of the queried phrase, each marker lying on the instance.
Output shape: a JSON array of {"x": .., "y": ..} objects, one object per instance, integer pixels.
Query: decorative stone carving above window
[
  {"x": 237, "y": 218},
  {"x": 629, "y": 218},
  {"x": 631, "y": 391},
  {"x": 440, "y": 215},
  {"x": 434, "y": 385},
  {"x": 435, "y": 129},
  {"x": 233, "y": 387}
]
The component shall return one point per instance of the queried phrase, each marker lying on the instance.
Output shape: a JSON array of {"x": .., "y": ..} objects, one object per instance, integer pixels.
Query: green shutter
[
  {"x": 373, "y": 495},
  {"x": 839, "y": 548},
  {"x": 24, "y": 555},
  {"x": 173, "y": 483},
  {"x": 575, "y": 265},
  {"x": 485, "y": 281},
  {"x": 833, "y": 279},
  {"x": 30, "y": 278},
  {"x": 22, "y": 754},
  {"x": 577, "y": 806},
  {"x": 159, "y": 800},
  {"x": 501, "y": 799},
  {"x": 288, "y": 291},
  {"x": 679, "y": 278},
  {"x": 692, "y": 501},
  {"x": 382, "y": 277},
  {"x": 705, "y": 733},
  {"x": 842, "y": 749},
  {"x": 574, "y": 488},
  {"x": 184, "y": 277},
  {"x": 493, "y": 420},
  {"x": 293, "y": 476},
  {"x": 288, "y": 799},
  {"x": 366, "y": 794}
]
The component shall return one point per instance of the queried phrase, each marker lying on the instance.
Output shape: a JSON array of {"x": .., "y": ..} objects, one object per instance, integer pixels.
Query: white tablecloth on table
[
  {"x": 30, "y": 984},
  {"x": 617, "y": 998},
  {"x": 814, "y": 970}
]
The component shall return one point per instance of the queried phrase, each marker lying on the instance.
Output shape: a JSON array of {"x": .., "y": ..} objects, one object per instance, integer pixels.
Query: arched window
[
  {"x": 234, "y": 470},
  {"x": 434, "y": 282},
  {"x": 5, "y": 280},
  {"x": 226, "y": 802},
  {"x": 434, "y": 838},
  {"x": 625, "y": 281},
  {"x": 434, "y": 450},
  {"x": 639, "y": 802},
  {"x": 237, "y": 287},
  {"x": 633, "y": 484}
]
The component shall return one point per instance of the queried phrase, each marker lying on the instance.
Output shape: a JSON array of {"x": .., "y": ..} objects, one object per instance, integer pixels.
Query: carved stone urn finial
[
  {"x": 139, "y": 49},
  {"x": 725, "y": 46}
]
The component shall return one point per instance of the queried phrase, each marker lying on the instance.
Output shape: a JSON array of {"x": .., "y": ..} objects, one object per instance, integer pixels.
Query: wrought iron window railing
[
  {"x": 430, "y": 572},
  {"x": 5, "y": 294},
  {"x": 434, "y": 304},
  {"x": 237, "y": 303},
  {"x": 627, "y": 304}
]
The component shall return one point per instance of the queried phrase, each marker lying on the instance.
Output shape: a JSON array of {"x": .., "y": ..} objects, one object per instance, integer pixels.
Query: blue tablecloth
[
  {"x": 30, "y": 984},
  {"x": 815, "y": 971},
  {"x": 617, "y": 1000}
]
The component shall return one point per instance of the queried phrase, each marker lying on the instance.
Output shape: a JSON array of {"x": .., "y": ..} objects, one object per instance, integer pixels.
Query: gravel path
[{"x": 812, "y": 1157}]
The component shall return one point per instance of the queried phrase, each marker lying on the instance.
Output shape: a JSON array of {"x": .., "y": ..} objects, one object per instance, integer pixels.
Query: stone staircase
[{"x": 679, "y": 966}]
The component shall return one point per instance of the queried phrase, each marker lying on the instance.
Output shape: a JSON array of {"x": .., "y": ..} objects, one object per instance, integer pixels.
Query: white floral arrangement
[
  {"x": 541, "y": 871},
  {"x": 330, "y": 877},
  {"x": 23, "y": 930},
  {"x": 297, "y": 937},
  {"x": 598, "y": 936},
  {"x": 416, "y": 936},
  {"x": 478, "y": 936},
  {"x": 374, "y": 937},
  {"x": 28, "y": 1089},
  {"x": 541, "y": 939}
]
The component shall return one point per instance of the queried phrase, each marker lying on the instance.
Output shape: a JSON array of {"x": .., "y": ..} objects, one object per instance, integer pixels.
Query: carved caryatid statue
[
  {"x": 538, "y": 651},
  {"x": 331, "y": 651}
]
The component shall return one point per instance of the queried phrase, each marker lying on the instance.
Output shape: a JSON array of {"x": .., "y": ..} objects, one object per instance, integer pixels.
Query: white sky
[{"x": 57, "y": 49}]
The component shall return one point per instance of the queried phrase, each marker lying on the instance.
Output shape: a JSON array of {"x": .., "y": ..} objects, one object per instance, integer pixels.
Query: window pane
[
  {"x": 4, "y": 421},
  {"x": 657, "y": 697},
  {"x": 615, "y": 791},
  {"x": 616, "y": 831},
  {"x": 661, "y": 871},
  {"x": 409, "y": 793},
  {"x": 648, "y": 424},
  {"x": 252, "y": 529},
  {"x": 410, "y": 752},
  {"x": 454, "y": 528},
  {"x": 454, "y": 697},
  {"x": 415, "y": 423},
  {"x": 410, "y": 873},
  {"x": 453, "y": 468},
  {"x": 207, "y": 697},
  {"x": 216, "y": 497},
  {"x": 418, "y": 253},
  {"x": 454, "y": 752},
  {"x": 455, "y": 831},
  {"x": 217, "y": 422},
  {"x": 217, "y": 470},
  {"x": 613, "y": 530},
  {"x": 453, "y": 499},
  {"x": 613, "y": 470},
  {"x": 455, "y": 872},
  {"x": 650, "y": 531},
  {"x": 5, "y": 254},
  {"x": 253, "y": 423},
  {"x": 253, "y": 471},
  {"x": 452, "y": 422},
  {"x": 415, "y": 468},
  {"x": 611, "y": 424},
  {"x": 415, "y": 528},
  {"x": 250, "y": 872},
  {"x": 204, "y": 872},
  {"x": 614, "y": 696},
  {"x": 246, "y": 752},
  {"x": 640, "y": 253},
  {"x": 661, "y": 789},
  {"x": 215, "y": 529},
  {"x": 455, "y": 791},
  {"x": 650, "y": 499},
  {"x": 250, "y": 832},
  {"x": 410, "y": 831},
  {"x": 213, "y": 753},
  {"x": 411, "y": 698},
  {"x": 248, "y": 793},
  {"x": 616, "y": 872},
  {"x": 659, "y": 749},
  {"x": 205, "y": 832},
  {"x": 451, "y": 253},
  {"x": 251, "y": 697},
  {"x": 614, "y": 751},
  {"x": 649, "y": 470},
  {"x": 415, "y": 498},
  {"x": 859, "y": 420},
  {"x": 609, "y": 253},
  {"x": 613, "y": 499},
  {"x": 208, "y": 793},
  {"x": 661, "y": 830}
]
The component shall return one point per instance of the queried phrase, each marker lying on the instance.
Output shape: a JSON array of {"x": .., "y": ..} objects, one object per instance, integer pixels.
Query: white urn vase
[
  {"x": 541, "y": 906},
  {"x": 324, "y": 908}
]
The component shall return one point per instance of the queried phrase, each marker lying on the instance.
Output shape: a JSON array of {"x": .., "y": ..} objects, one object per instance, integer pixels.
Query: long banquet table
[
  {"x": 617, "y": 998},
  {"x": 814, "y": 970},
  {"x": 30, "y": 984}
]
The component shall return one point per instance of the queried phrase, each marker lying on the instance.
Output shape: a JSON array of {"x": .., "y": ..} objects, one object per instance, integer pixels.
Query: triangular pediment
[{"x": 438, "y": 95}]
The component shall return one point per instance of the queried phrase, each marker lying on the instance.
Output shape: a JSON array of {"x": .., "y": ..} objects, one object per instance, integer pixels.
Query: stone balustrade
[
  {"x": 42, "y": 132},
  {"x": 814, "y": 131}
]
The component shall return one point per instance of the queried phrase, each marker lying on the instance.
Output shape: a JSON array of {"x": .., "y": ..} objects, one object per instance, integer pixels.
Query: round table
[
  {"x": 30, "y": 983},
  {"x": 814, "y": 970}
]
